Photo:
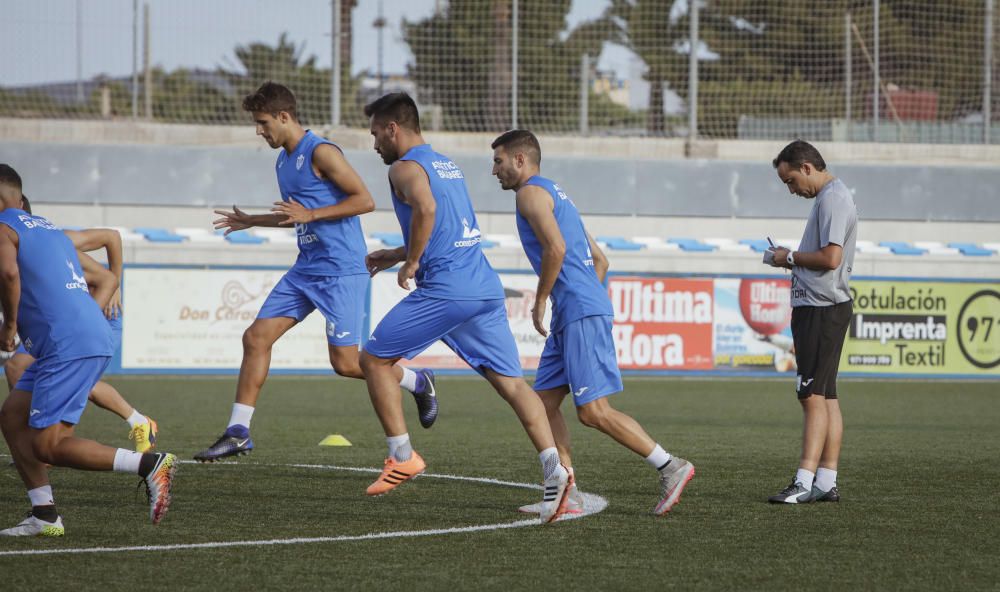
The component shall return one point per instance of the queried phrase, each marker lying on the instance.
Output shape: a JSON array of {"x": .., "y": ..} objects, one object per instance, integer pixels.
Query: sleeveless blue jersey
[
  {"x": 326, "y": 247},
  {"x": 453, "y": 266},
  {"x": 577, "y": 292},
  {"x": 56, "y": 318}
]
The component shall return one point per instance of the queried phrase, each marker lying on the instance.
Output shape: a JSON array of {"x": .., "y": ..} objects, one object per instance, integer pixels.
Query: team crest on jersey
[
  {"x": 79, "y": 282},
  {"x": 298, "y": 162}
]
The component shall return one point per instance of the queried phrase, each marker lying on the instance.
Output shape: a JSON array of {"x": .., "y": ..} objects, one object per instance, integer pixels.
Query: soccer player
[
  {"x": 142, "y": 429},
  {"x": 458, "y": 298},
  {"x": 579, "y": 353},
  {"x": 47, "y": 303},
  {"x": 322, "y": 196},
  {"x": 821, "y": 313}
]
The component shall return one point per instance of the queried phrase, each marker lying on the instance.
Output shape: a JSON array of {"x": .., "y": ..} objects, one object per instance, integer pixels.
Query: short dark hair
[
  {"x": 398, "y": 107},
  {"x": 798, "y": 153},
  {"x": 520, "y": 140},
  {"x": 271, "y": 98},
  {"x": 8, "y": 176},
  {"x": 25, "y": 204}
]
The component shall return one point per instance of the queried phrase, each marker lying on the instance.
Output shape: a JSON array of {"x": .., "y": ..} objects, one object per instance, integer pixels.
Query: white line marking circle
[{"x": 592, "y": 504}]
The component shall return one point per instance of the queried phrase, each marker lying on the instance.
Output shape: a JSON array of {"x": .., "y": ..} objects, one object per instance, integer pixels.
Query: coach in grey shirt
[{"x": 821, "y": 314}]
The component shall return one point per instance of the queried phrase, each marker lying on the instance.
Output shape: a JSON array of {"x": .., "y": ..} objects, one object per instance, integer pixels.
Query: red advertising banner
[{"x": 663, "y": 323}]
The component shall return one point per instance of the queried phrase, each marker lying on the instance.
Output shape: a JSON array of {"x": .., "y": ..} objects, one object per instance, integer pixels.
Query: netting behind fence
[{"x": 765, "y": 69}]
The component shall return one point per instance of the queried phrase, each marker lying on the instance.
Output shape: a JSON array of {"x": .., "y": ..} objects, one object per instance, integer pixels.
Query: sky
[{"x": 38, "y": 39}]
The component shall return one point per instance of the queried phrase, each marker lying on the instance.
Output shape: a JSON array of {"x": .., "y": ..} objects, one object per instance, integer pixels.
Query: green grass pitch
[{"x": 919, "y": 478}]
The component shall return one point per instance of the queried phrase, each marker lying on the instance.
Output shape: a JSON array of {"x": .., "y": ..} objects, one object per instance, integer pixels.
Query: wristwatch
[{"x": 790, "y": 259}]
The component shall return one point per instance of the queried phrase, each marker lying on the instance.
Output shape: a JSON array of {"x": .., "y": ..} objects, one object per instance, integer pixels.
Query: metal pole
[
  {"x": 513, "y": 66},
  {"x": 987, "y": 71},
  {"x": 692, "y": 75},
  {"x": 875, "y": 71},
  {"x": 380, "y": 23},
  {"x": 335, "y": 66},
  {"x": 135, "y": 59},
  {"x": 584, "y": 94},
  {"x": 147, "y": 83},
  {"x": 847, "y": 74},
  {"x": 79, "y": 54}
]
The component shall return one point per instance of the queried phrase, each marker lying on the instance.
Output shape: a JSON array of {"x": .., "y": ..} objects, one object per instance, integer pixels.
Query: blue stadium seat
[
  {"x": 389, "y": 239},
  {"x": 757, "y": 244},
  {"x": 693, "y": 245},
  {"x": 619, "y": 243},
  {"x": 901, "y": 248},
  {"x": 242, "y": 237},
  {"x": 159, "y": 235},
  {"x": 488, "y": 244},
  {"x": 972, "y": 249}
]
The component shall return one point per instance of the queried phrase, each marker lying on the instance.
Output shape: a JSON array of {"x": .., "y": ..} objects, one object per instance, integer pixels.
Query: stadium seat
[
  {"x": 867, "y": 246},
  {"x": 618, "y": 243},
  {"x": 277, "y": 236},
  {"x": 726, "y": 244},
  {"x": 505, "y": 241},
  {"x": 757, "y": 244},
  {"x": 242, "y": 237},
  {"x": 971, "y": 249},
  {"x": 655, "y": 243},
  {"x": 935, "y": 248},
  {"x": 126, "y": 234},
  {"x": 901, "y": 248},
  {"x": 199, "y": 235},
  {"x": 389, "y": 239},
  {"x": 693, "y": 245},
  {"x": 487, "y": 244},
  {"x": 160, "y": 235}
]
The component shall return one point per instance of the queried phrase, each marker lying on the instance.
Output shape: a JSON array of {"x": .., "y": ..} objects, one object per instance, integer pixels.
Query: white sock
[
  {"x": 399, "y": 447},
  {"x": 658, "y": 458},
  {"x": 550, "y": 461},
  {"x": 409, "y": 380},
  {"x": 41, "y": 496},
  {"x": 805, "y": 478},
  {"x": 241, "y": 415},
  {"x": 127, "y": 461},
  {"x": 826, "y": 479},
  {"x": 136, "y": 418}
]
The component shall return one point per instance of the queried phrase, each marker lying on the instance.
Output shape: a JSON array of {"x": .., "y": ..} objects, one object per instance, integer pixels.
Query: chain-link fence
[{"x": 851, "y": 70}]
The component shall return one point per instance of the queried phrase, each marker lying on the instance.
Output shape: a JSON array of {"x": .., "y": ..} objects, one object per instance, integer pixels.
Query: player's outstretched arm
[
  {"x": 103, "y": 284},
  {"x": 536, "y": 206},
  {"x": 10, "y": 290},
  {"x": 240, "y": 220},
  {"x": 329, "y": 163},
  {"x": 601, "y": 264},
  {"x": 412, "y": 186}
]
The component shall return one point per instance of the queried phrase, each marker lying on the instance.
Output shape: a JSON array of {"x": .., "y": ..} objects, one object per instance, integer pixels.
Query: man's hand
[
  {"x": 781, "y": 257},
  {"x": 407, "y": 272},
  {"x": 114, "y": 308},
  {"x": 295, "y": 212},
  {"x": 233, "y": 221},
  {"x": 8, "y": 336},
  {"x": 376, "y": 261},
  {"x": 538, "y": 318}
]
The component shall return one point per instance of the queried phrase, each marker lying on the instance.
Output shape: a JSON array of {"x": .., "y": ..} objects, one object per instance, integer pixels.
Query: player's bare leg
[
  {"x": 258, "y": 340},
  {"x": 142, "y": 429},
  {"x": 552, "y": 400},
  {"x": 825, "y": 485},
  {"x": 14, "y": 422},
  {"x": 15, "y": 367},
  {"x": 600, "y": 415},
  {"x": 815, "y": 429}
]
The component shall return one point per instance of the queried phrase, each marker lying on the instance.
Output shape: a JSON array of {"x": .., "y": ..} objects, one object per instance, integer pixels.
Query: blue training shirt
[
  {"x": 453, "y": 266},
  {"x": 577, "y": 292},
  {"x": 326, "y": 247},
  {"x": 56, "y": 318}
]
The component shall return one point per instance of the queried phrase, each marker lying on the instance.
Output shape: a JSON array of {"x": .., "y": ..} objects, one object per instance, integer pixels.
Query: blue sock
[
  {"x": 238, "y": 431},
  {"x": 421, "y": 382}
]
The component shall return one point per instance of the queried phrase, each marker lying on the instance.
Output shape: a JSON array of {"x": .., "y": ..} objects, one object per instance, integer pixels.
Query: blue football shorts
[
  {"x": 476, "y": 330},
  {"x": 59, "y": 388},
  {"x": 581, "y": 356},
  {"x": 116, "y": 336},
  {"x": 340, "y": 299}
]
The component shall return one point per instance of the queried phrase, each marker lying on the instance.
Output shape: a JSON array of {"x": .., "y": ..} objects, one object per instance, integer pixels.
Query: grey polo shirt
[{"x": 833, "y": 220}]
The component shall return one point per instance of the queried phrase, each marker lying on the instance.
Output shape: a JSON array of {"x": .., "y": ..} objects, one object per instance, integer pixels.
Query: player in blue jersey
[
  {"x": 322, "y": 196},
  {"x": 46, "y": 302},
  {"x": 458, "y": 298},
  {"x": 579, "y": 353},
  {"x": 142, "y": 429}
]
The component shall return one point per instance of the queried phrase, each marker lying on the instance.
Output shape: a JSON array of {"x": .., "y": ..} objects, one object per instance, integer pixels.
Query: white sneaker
[
  {"x": 555, "y": 496},
  {"x": 574, "y": 503},
  {"x": 32, "y": 526},
  {"x": 672, "y": 482}
]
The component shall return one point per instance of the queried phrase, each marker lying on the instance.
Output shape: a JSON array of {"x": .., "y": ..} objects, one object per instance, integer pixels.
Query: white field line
[{"x": 592, "y": 505}]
